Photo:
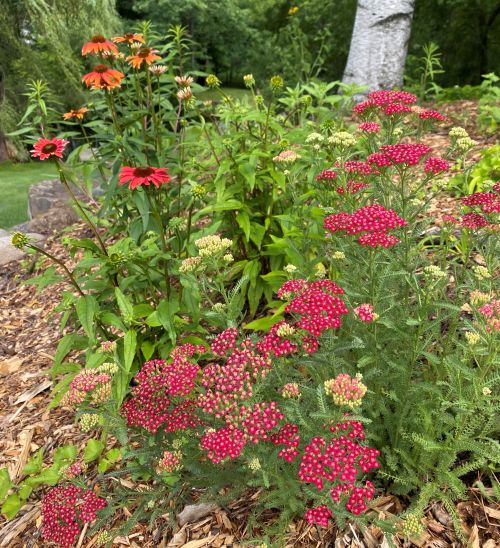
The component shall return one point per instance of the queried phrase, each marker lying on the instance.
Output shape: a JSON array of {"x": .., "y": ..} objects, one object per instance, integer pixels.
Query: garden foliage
[{"x": 259, "y": 301}]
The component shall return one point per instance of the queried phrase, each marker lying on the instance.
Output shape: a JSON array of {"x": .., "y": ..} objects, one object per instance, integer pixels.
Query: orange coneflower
[
  {"x": 99, "y": 44},
  {"x": 143, "y": 55},
  {"x": 138, "y": 176},
  {"x": 103, "y": 77},
  {"x": 75, "y": 113},
  {"x": 130, "y": 38},
  {"x": 45, "y": 148}
]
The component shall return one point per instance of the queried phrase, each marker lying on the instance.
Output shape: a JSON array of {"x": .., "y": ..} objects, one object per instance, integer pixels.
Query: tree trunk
[{"x": 379, "y": 43}]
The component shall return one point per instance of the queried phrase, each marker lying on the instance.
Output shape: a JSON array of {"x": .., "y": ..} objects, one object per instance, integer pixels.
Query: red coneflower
[
  {"x": 129, "y": 37},
  {"x": 45, "y": 148},
  {"x": 99, "y": 44},
  {"x": 138, "y": 176},
  {"x": 75, "y": 113},
  {"x": 103, "y": 77},
  {"x": 143, "y": 55}
]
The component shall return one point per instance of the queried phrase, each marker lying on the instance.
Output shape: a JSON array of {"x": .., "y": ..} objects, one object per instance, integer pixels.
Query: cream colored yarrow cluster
[
  {"x": 212, "y": 245},
  {"x": 342, "y": 138}
]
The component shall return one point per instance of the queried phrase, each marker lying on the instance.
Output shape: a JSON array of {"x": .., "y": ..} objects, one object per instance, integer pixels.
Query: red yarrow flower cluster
[
  {"x": 488, "y": 202},
  {"x": 369, "y": 127},
  {"x": 257, "y": 421},
  {"x": 326, "y": 175},
  {"x": 400, "y": 154},
  {"x": 352, "y": 187},
  {"x": 88, "y": 382},
  {"x": 160, "y": 386},
  {"x": 473, "y": 221},
  {"x": 365, "y": 312},
  {"x": 434, "y": 165},
  {"x": 318, "y": 516},
  {"x": 45, "y": 148},
  {"x": 224, "y": 342},
  {"x": 429, "y": 114},
  {"x": 386, "y": 100},
  {"x": 339, "y": 462},
  {"x": 374, "y": 220},
  {"x": 288, "y": 436},
  {"x": 223, "y": 443},
  {"x": 491, "y": 311},
  {"x": 360, "y": 168},
  {"x": 65, "y": 510}
]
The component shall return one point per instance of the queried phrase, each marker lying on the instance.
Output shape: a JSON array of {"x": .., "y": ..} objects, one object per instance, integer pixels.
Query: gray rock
[
  {"x": 3, "y": 233},
  {"x": 45, "y": 195},
  {"x": 9, "y": 253}
]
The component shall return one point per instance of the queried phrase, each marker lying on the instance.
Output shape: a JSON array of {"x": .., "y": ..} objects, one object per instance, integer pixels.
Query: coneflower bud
[
  {"x": 157, "y": 70},
  {"x": 276, "y": 83},
  {"x": 212, "y": 81},
  {"x": 184, "y": 81},
  {"x": 249, "y": 80},
  {"x": 19, "y": 240}
]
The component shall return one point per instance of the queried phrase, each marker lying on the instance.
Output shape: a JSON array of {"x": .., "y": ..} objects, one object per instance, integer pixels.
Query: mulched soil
[{"x": 28, "y": 337}]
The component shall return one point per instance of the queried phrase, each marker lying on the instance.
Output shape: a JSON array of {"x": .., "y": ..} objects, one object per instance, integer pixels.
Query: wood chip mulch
[{"x": 29, "y": 333}]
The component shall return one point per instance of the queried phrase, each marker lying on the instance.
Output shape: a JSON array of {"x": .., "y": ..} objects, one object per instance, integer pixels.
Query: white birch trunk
[{"x": 379, "y": 43}]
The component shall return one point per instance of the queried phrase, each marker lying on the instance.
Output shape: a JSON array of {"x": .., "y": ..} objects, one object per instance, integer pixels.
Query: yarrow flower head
[
  {"x": 465, "y": 144},
  {"x": 429, "y": 114},
  {"x": 481, "y": 272},
  {"x": 365, "y": 313},
  {"x": 458, "y": 133},
  {"x": 374, "y": 220},
  {"x": 46, "y": 148},
  {"x": 286, "y": 157},
  {"x": 401, "y": 153},
  {"x": 346, "y": 390},
  {"x": 488, "y": 202},
  {"x": 144, "y": 176},
  {"x": 99, "y": 44},
  {"x": 434, "y": 272},
  {"x": 472, "y": 338},
  {"x": 210, "y": 246},
  {"x": 326, "y": 175},
  {"x": 170, "y": 462},
  {"x": 291, "y": 390},
  {"x": 369, "y": 127},
  {"x": 342, "y": 139},
  {"x": 65, "y": 510},
  {"x": 433, "y": 164}
]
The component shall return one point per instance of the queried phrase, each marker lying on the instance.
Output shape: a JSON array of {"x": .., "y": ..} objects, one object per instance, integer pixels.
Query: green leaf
[
  {"x": 152, "y": 320},
  {"x": 24, "y": 491},
  {"x": 257, "y": 234},
  {"x": 109, "y": 318},
  {"x": 125, "y": 306},
  {"x": 69, "y": 342},
  {"x": 129, "y": 346},
  {"x": 11, "y": 506},
  {"x": 114, "y": 455},
  {"x": 34, "y": 464},
  {"x": 5, "y": 483},
  {"x": 166, "y": 311},
  {"x": 86, "y": 309},
  {"x": 64, "y": 454},
  {"x": 93, "y": 450},
  {"x": 248, "y": 171},
  {"x": 243, "y": 221},
  {"x": 147, "y": 349},
  {"x": 142, "y": 310},
  {"x": 263, "y": 324}
]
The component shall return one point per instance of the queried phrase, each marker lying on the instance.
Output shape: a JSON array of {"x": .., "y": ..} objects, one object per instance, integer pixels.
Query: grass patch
[{"x": 15, "y": 180}]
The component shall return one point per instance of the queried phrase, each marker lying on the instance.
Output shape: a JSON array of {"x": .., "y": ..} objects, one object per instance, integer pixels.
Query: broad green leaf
[
  {"x": 11, "y": 506},
  {"x": 147, "y": 349},
  {"x": 34, "y": 464},
  {"x": 125, "y": 306},
  {"x": 243, "y": 221},
  {"x": 5, "y": 483},
  {"x": 263, "y": 324},
  {"x": 93, "y": 450},
  {"x": 129, "y": 346},
  {"x": 86, "y": 309}
]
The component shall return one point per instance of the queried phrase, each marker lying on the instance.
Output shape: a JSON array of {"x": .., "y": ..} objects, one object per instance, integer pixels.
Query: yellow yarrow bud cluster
[
  {"x": 107, "y": 367},
  {"x": 466, "y": 143},
  {"x": 103, "y": 537},
  {"x": 291, "y": 390},
  {"x": 88, "y": 421},
  {"x": 290, "y": 269},
  {"x": 342, "y": 138},
  {"x": 338, "y": 255},
  {"x": 198, "y": 191},
  {"x": 412, "y": 526},
  {"x": 315, "y": 138},
  {"x": 212, "y": 245},
  {"x": 320, "y": 270},
  {"x": 346, "y": 390},
  {"x": 254, "y": 464},
  {"x": 434, "y": 272},
  {"x": 285, "y": 330},
  {"x": 219, "y": 307},
  {"x": 478, "y": 298},
  {"x": 458, "y": 133},
  {"x": 107, "y": 346},
  {"x": 190, "y": 264},
  {"x": 481, "y": 272},
  {"x": 472, "y": 338}
]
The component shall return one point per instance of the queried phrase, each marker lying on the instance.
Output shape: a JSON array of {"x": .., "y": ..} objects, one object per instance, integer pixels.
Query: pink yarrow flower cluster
[
  {"x": 435, "y": 165},
  {"x": 365, "y": 312},
  {"x": 159, "y": 399},
  {"x": 338, "y": 463},
  {"x": 387, "y": 102},
  {"x": 346, "y": 390},
  {"x": 429, "y": 114},
  {"x": 374, "y": 221},
  {"x": 369, "y": 127},
  {"x": 487, "y": 202},
  {"x": 491, "y": 311},
  {"x": 88, "y": 382},
  {"x": 314, "y": 308},
  {"x": 65, "y": 510},
  {"x": 408, "y": 154}
]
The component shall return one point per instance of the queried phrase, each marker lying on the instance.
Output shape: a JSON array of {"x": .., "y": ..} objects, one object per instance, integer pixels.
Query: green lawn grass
[{"x": 15, "y": 180}]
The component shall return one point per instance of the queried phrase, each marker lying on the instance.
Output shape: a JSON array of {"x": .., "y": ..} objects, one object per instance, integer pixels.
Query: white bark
[{"x": 379, "y": 43}]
